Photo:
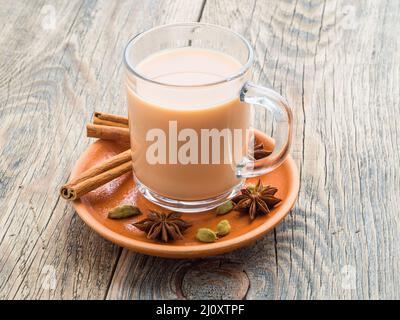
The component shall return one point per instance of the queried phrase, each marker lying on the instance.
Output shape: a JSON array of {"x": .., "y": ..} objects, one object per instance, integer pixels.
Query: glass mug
[{"x": 190, "y": 103}]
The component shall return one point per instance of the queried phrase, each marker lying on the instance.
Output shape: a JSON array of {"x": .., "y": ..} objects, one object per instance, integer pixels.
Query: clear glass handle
[{"x": 278, "y": 107}]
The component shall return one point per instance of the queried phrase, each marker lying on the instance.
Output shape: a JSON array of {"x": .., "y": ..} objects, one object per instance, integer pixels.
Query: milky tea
[{"x": 178, "y": 140}]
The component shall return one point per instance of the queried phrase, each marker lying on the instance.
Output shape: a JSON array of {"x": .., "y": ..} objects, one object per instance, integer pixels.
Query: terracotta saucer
[{"x": 94, "y": 207}]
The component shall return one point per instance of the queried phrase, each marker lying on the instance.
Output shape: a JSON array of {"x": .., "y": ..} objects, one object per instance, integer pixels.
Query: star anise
[
  {"x": 163, "y": 227},
  {"x": 258, "y": 150},
  {"x": 258, "y": 200}
]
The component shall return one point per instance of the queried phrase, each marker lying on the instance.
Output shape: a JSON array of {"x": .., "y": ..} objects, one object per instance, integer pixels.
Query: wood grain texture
[
  {"x": 338, "y": 64},
  {"x": 51, "y": 80}
]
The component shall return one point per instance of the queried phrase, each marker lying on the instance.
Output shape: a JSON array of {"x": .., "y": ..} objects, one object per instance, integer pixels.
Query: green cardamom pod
[
  {"x": 206, "y": 235},
  {"x": 223, "y": 228},
  {"x": 251, "y": 187},
  {"x": 225, "y": 208},
  {"x": 124, "y": 211}
]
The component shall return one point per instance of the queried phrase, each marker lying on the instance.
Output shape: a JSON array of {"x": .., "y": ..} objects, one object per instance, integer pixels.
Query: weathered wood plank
[
  {"x": 338, "y": 65},
  {"x": 53, "y": 75},
  {"x": 337, "y": 62}
]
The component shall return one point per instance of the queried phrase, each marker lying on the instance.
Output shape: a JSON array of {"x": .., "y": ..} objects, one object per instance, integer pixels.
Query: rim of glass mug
[{"x": 245, "y": 67}]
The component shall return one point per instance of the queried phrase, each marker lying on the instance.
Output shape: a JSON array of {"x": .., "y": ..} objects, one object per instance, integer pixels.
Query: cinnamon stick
[
  {"x": 97, "y": 176},
  {"x": 109, "y": 127},
  {"x": 108, "y": 119},
  {"x": 107, "y": 132}
]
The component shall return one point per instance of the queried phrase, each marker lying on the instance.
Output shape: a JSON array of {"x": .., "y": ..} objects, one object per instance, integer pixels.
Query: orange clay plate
[{"x": 94, "y": 207}]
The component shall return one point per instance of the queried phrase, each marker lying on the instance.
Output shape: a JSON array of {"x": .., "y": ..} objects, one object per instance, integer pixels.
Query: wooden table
[{"x": 337, "y": 62}]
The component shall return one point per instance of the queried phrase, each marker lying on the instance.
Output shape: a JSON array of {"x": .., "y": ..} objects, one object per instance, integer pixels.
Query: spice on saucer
[
  {"x": 258, "y": 200},
  {"x": 206, "y": 235},
  {"x": 225, "y": 208},
  {"x": 223, "y": 228},
  {"x": 112, "y": 120},
  {"x": 124, "y": 211},
  {"x": 97, "y": 176},
  {"x": 258, "y": 150},
  {"x": 163, "y": 227}
]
